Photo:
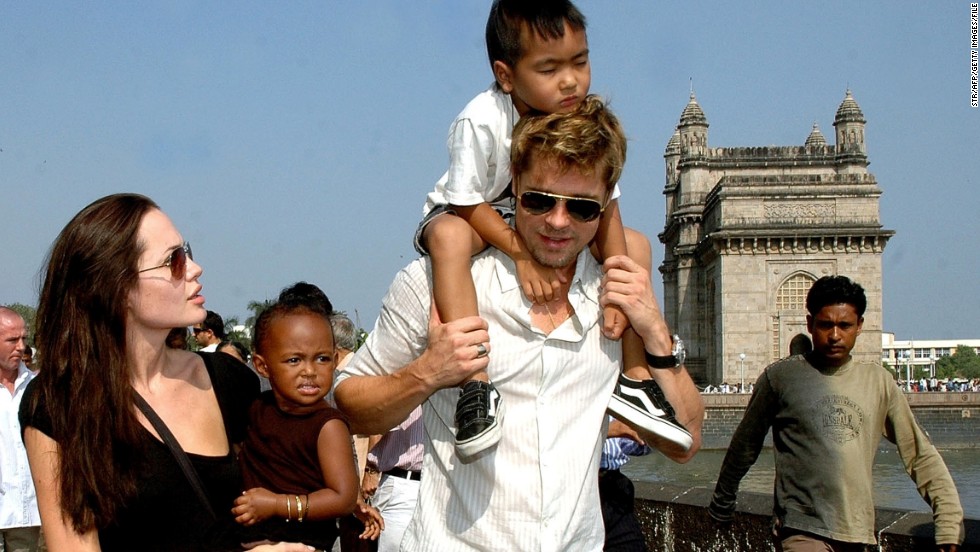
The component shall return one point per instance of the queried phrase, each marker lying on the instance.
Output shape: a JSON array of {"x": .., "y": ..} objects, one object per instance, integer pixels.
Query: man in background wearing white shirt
[
  {"x": 20, "y": 523},
  {"x": 209, "y": 333}
]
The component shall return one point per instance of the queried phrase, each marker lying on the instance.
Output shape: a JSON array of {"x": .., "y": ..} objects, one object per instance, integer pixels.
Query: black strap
[
  {"x": 185, "y": 463},
  {"x": 405, "y": 474}
]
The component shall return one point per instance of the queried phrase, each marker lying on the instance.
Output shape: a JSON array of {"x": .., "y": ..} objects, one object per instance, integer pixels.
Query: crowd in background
[{"x": 955, "y": 385}]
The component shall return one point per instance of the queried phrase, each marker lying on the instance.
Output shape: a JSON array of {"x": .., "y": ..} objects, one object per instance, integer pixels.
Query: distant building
[
  {"x": 907, "y": 356},
  {"x": 749, "y": 229}
]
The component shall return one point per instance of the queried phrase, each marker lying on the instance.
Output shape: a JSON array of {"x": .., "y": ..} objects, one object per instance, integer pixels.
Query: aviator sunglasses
[
  {"x": 579, "y": 208},
  {"x": 177, "y": 261}
]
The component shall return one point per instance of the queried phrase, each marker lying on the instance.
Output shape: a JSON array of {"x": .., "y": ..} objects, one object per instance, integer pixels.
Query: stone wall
[
  {"x": 675, "y": 518},
  {"x": 952, "y": 420}
]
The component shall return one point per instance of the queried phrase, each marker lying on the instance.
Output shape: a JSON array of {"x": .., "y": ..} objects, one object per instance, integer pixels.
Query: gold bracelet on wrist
[
  {"x": 306, "y": 506},
  {"x": 289, "y": 513},
  {"x": 299, "y": 509}
]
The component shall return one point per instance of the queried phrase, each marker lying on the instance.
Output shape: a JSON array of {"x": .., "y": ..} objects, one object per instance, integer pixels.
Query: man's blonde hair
[{"x": 589, "y": 139}]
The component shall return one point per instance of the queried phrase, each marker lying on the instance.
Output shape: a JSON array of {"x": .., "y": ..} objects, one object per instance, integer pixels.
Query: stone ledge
[
  {"x": 935, "y": 398},
  {"x": 675, "y": 518},
  {"x": 928, "y": 398}
]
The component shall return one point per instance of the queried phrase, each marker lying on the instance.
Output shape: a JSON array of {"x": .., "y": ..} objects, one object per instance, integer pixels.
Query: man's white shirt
[
  {"x": 538, "y": 488},
  {"x": 18, "y": 503}
]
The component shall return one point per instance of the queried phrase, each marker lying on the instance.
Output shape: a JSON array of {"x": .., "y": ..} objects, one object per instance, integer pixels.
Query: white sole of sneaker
[
  {"x": 643, "y": 421},
  {"x": 483, "y": 441}
]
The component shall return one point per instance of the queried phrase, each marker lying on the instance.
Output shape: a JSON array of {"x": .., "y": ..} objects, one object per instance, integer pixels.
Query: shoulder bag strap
[{"x": 185, "y": 463}]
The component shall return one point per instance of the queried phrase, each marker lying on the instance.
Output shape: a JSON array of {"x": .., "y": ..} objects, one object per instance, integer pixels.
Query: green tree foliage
[
  {"x": 362, "y": 336},
  {"x": 257, "y": 307},
  {"x": 963, "y": 363},
  {"x": 945, "y": 368},
  {"x": 245, "y": 335},
  {"x": 235, "y": 331}
]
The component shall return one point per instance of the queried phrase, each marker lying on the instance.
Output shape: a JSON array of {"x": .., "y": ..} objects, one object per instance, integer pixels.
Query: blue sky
[{"x": 296, "y": 140}]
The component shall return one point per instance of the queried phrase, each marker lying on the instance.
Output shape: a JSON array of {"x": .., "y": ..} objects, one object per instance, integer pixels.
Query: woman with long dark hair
[{"x": 118, "y": 278}]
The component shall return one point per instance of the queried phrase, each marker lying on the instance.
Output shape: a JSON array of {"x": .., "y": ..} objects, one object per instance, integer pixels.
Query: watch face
[{"x": 680, "y": 352}]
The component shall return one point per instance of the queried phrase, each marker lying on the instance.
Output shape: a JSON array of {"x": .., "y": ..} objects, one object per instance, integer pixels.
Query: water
[{"x": 893, "y": 487}]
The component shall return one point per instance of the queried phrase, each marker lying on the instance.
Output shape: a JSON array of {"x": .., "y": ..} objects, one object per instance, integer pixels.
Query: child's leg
[
  {"x": 634, "y": 359},
  {"x": 638, "y": 400},
  {"x": 614, "y": 321},
  {"x": 451, "y": 242},
  {"x": 612, "y": 238}
]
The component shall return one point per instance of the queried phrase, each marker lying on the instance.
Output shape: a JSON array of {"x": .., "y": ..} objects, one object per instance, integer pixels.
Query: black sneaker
[
  {"x": 479, "y": 413},
  {"x": 642, "y": 406}
]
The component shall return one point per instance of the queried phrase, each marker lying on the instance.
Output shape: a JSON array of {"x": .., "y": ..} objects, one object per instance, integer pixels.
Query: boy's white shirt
[{"x": 479, "y": 154}]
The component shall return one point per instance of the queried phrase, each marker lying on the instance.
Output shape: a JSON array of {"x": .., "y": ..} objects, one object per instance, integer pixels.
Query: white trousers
[{"x": 395, "y": 499}]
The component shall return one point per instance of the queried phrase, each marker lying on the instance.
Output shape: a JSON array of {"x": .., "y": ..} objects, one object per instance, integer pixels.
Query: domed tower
[
  {"x": 691, "y": 169},
  {"x": 815, "y": 139},
  {"x": 693, "y": 129},
  {"x": 688, "y": 182},
  {"x": 851, "y": 150}
]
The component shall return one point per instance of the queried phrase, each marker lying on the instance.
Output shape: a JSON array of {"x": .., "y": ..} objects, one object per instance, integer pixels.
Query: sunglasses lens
[
  {"x": 583, "y": 210},
  {"x": 536, "y": 203},
  {"x": 178, "y": 263}
]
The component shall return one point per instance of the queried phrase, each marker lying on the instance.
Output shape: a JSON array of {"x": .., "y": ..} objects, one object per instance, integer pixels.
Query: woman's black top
[{"x": 166, "y": 514}]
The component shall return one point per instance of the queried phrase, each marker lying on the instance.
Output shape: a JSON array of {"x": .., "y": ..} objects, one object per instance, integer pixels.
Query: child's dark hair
[
  {"x": 300, "y": 297},
  {"x": 836, "y": 290},
  {"x": 546, "y": 18}
]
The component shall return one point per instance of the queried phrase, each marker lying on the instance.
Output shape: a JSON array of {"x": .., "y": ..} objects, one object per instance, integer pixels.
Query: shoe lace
[
  {"x": 475, "y": 403},
  {"x": 658, "y": 398}
]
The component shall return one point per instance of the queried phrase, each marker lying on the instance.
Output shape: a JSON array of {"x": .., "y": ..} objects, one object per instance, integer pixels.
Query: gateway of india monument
[{"x": 749, "y": 229}]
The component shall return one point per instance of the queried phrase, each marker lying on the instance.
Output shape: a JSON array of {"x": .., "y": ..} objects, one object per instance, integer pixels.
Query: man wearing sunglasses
[
  {"x": 537, "y": 488},
  {"x": 209, "y": 333}
]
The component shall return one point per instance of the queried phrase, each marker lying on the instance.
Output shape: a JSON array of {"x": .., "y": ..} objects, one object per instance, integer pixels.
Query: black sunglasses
[
  {"x": 579, "y": 208},
  {"x": 177, "y": 261}
]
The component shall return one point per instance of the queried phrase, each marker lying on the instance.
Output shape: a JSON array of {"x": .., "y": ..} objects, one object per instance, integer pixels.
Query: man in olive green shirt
[{"x": 828, "y": 413}]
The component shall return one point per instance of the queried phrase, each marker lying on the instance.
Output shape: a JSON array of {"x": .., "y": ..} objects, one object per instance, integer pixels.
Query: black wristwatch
[{"x": 679, "y": 353}]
